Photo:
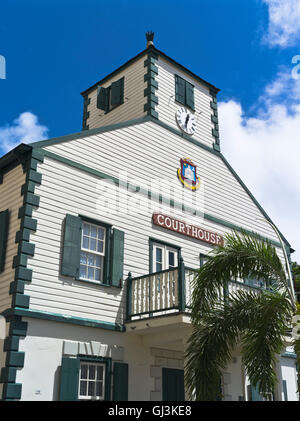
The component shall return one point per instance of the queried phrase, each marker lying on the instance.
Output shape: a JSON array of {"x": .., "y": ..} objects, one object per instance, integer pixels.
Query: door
[{"x": 172, "y": 384}]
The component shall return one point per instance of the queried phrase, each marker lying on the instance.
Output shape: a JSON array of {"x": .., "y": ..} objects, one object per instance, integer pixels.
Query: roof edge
[{"x": 144, "y": 52}]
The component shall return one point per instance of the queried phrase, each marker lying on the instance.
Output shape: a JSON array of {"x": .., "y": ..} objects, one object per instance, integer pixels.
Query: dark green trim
[
  {"x": 15, "y": 359},
  {"x": 12, "y": 391},
  {"x": 11, "y": 343},
  {"x": 152, "y": 52},
  {"x": 181, "y": 286},
  {"x": 30, "y": 160},
  {"x": 215, "y": 121},
  {"x": 59, "y": 318},
  {"x": 86, "y": 102},
  {"x": 16, "y": 327},
  {"x": 8, "y": 375},
  {"x": 152, "y": 85},
  {"x": 289, "y": 355}
]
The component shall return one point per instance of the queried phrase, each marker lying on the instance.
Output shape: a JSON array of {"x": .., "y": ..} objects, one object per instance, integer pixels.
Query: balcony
[{"x": 166, "y": 293}]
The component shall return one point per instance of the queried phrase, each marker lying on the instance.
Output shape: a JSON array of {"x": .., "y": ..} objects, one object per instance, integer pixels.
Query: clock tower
[{"x": 154, "y": 86}]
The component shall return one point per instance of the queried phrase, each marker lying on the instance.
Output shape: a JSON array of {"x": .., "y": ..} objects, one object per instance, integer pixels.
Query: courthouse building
[{"x": 100, "y": 235}]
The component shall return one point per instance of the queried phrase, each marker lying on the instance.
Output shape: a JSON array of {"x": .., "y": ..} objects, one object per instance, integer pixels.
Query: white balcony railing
[{"x": 165, "y": 292}]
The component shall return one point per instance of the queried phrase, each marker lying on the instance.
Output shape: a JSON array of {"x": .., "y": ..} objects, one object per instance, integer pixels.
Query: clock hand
[{"x": 187, "y": 120}]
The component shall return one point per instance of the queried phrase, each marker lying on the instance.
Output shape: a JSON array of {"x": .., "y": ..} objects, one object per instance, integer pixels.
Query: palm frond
[{"x": 243, "y": 256}]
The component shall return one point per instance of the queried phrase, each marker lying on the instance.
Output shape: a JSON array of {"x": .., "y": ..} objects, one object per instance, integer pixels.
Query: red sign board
[{"x": 189, "y": 230}]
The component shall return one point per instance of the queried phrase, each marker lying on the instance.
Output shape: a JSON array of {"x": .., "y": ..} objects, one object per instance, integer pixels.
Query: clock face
[{"x": 186, "y": 120}]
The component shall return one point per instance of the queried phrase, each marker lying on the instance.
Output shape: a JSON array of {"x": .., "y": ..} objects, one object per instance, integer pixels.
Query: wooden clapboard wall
[
  {"x": 144, "y": 151},
  {"x": 11, "y": 200}
]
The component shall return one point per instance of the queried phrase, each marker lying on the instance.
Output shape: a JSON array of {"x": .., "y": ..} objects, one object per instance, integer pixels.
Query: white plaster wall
[
  {"x": 289, "y": 374},
  {"x": 43, "y": 347}
]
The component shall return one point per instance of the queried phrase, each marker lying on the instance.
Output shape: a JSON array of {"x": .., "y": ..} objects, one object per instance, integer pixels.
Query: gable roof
[
  {"x": 141, "y": 54},
  {"x": 86, "y": 133}
]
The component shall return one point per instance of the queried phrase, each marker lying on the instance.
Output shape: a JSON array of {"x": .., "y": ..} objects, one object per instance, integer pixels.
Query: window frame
[
  {"x": 152, "y": 242},
  {"x": 107, "y": 363},
  {"x": 106, "y": 257}
]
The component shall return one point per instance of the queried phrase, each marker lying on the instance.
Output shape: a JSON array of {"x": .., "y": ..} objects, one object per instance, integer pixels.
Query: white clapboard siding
[
  {"x": 147, "y": 143},
  {"x": 67, "y": 190},
  {"x": 10, "y": 198},
  {"x": 134, "y": 100},
  {"x": 167, "y": 106}
]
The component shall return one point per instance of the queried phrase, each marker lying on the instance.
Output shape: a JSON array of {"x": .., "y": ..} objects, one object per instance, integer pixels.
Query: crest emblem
[{"x": 187, "y": 174}]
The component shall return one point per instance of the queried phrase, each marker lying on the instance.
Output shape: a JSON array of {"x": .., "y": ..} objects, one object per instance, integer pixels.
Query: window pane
[
  {"x": 158, "y": 267},
  {"x": 93, "y": 244},
  {"x": 91, "y": 273},
  {"x": 83, "y": 388},
  {"x": 171, "y": 259},
  {"x": 90, "y": 260},
  {"x": 86, "y": 229},
  {"x": 159, "y": 255},
  {"x": 99, "y": 372},
  {"x": 82, "y": 271},
  {"x": 101, "y": 232},
  {"x": 99, "y": 389},
  {"x": 92, "y": 372},
  {"x": 97, "y": 275},
  {"x": 100, "y": 246},
  {"x": 98, "y": 261},
  {"x": 93, "y": 231},
  {"x": 85, "y": 242},
  {"x": 83, "y": 371},
  {"x": 91, "y": 391},
  {"x": 83, "y": 258}
]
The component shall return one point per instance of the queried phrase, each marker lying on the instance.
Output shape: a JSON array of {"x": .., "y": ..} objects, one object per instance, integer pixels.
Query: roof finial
[{"x": 149, "y": 38}]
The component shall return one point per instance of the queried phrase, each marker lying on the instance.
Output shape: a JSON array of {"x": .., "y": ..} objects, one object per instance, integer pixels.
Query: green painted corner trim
[
  {"x": 64, "y": 319},
  {"x": 20, "y": 300},
  {"x": 15, "y": 359},
  {"x": 8, "y": 375},
  {"x": 152, "y": 85},
  {"x": 11, "y": 343},
  {"x": 16, "y": 327},
  {"x": 12, "y": 391}
]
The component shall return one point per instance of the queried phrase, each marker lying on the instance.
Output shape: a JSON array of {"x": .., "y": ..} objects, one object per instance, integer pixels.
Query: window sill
[
  {"x": 87, "y": 281},
  {"x": 100, "y": 284}
]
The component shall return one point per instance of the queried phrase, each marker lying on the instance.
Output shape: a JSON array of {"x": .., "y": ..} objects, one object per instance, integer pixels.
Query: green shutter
[
  {"x": 255, "y": 395},
  {"x": 117, "y": 257},
  {"x": 102, "y": 98},
  {"x": 3, "y": 237},
  {"x": 120, "y": 387},
  {"x": 180, "y": 89},
  {"x": 117, "y": 92},
  {"x": 71, "y": 246},
  {"x": 69, "y": 379},
  {"x": 189, "y": 90}
]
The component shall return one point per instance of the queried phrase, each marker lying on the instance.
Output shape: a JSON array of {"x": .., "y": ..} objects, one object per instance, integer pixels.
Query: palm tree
[{"x": 254, "y": 320}]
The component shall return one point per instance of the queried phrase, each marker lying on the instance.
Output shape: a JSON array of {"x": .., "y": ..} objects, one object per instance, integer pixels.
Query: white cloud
[
  {"x": 284, "y": 22},
  {"x": 24, "y": 129},
  {"x": 264, "y": 150}
]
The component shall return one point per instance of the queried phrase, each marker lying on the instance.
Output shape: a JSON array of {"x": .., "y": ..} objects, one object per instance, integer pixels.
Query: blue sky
[{"x": 54, "y": 50}]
